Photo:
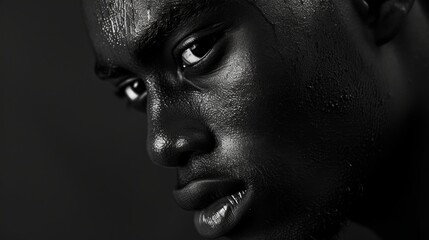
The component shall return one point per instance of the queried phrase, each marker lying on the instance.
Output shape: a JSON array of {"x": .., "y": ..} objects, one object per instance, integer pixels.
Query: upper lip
[{"x": 201, "y": 193}]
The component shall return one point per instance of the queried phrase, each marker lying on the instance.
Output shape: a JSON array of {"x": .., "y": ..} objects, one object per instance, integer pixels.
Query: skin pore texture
[{"x": 296, "y": 114}]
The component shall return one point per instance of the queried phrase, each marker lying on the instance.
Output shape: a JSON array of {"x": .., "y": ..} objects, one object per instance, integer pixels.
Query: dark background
[
  {"x": 73, "y": 159},
  {"x": 73, "y": 163}
]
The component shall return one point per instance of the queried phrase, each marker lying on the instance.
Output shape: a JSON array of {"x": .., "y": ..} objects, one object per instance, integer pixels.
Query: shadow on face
[{"x": 273, "y": 114}]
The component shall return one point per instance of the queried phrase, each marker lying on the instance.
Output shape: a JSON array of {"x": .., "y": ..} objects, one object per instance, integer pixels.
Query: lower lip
[{"x": 223, "y": 215}]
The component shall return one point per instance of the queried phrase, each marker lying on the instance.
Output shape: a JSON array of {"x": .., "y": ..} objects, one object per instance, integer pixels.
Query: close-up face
[{"x": 272, "y": 112}]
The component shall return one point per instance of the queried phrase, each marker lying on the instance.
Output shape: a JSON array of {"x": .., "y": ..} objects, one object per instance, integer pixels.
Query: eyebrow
[{"x": 171, "y": 16}]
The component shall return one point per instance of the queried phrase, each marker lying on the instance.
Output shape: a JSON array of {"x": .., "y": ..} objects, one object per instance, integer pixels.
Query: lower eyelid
[
  {"x": 210, "y": 60},
  {"x": 216, "y": 31}
]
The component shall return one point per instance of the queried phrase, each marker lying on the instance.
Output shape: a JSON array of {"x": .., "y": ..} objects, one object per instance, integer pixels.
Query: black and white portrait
[{"x": 214, "y": 119}]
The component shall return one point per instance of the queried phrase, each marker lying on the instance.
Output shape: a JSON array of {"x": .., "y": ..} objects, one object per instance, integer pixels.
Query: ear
[{"x": 385, "y": 17}]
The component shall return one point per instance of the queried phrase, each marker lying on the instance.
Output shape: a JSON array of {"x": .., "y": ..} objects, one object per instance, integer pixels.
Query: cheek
[
  {"x": 334, "y": 94},
  {"x": 233, "y": 89},
  {"x": 306, "y": 111}
]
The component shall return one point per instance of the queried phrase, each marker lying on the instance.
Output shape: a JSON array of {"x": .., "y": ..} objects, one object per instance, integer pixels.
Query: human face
[{"x": 269, "y": 111}]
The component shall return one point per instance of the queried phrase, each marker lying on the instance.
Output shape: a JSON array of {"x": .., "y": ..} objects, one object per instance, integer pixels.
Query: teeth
[{"x": 236, "y": 198}]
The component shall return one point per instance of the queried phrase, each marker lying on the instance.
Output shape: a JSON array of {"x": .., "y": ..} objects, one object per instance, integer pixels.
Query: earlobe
[{"x": 385, "y": 17}]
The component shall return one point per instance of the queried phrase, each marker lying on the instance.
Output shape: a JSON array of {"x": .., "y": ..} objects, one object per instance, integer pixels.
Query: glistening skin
[{"x": 276, "y": 114}]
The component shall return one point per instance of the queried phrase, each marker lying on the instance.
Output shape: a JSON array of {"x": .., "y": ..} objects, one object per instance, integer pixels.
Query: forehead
[
  {"x": 111, "y": 22},
  {"x": 116, "y": 26}
]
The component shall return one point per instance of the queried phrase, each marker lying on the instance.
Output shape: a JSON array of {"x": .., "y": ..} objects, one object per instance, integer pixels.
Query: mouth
[{"x": 219, "y": 204}]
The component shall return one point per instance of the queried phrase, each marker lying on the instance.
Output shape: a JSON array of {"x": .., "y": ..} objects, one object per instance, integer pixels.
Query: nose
[{"x": 174, "y": 144}]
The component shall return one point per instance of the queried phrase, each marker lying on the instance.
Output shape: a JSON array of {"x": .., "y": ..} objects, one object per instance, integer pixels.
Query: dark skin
[{"x": 296, "y": 107}]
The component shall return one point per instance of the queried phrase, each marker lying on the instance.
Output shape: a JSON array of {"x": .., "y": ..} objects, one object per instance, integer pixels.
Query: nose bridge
[{"x": 175, "y": 134}]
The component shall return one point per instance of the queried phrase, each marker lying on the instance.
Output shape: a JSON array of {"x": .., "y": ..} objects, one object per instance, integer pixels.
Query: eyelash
[
  {"x": 206, "y": 44},
  {"x": 206, "y": 39}
]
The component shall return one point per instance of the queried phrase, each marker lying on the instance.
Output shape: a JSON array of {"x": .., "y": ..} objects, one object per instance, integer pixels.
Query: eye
[
  {"x": 134, "y": 89},
  {"x": 197, "y": 51}
]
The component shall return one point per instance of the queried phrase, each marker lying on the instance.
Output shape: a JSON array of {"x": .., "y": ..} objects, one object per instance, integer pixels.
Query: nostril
[
  {"x": 184, "y": 158},
  {"x": 176, "y": 148},
  {"x": 183, "y": 150},
  {"x": 193, "y": 144}
]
